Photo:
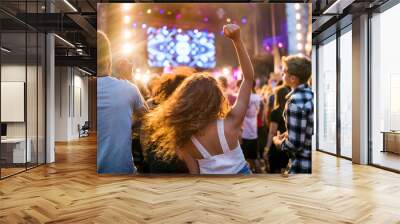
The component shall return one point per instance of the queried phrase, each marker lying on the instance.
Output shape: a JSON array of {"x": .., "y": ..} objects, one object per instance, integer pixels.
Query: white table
[{"x": 19, "y": 154}]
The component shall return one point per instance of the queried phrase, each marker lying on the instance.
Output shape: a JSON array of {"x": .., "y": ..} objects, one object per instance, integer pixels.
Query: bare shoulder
[{"x": 189, "y": 149}]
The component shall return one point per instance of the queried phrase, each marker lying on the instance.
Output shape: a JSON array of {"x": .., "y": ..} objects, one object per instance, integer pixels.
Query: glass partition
[
  {"x": 14, "y": 153},
  {"x": 385, "y": 89},
  {"x": 327, "y": 96},
  {"x": 22, "y": 90},
  {"x": 346, "y": 94}
]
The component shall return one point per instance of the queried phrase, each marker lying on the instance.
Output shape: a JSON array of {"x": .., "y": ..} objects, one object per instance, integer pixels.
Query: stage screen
[{"x": 177, "y": 47}]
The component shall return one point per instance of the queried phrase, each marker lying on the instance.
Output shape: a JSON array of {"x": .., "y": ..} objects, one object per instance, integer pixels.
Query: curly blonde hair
[
  {"x": 197, "y": 102},
  {"x": 166, "y": 85}
]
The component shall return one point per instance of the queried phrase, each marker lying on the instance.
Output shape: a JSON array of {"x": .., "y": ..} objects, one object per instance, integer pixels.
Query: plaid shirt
[{"x": 299, "y": 119}]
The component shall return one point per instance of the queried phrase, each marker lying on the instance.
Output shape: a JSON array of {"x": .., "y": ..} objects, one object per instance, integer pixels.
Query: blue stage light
[{"x": 191, "y": 48}]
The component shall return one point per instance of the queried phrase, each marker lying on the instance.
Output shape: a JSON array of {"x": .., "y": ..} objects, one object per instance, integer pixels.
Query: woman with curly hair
[
  {"x": 195, "y": 124},
  {"x": 163, "y": 89}
]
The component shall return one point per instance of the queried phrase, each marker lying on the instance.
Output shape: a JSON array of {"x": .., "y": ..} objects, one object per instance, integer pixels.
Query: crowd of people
[{"x": 191, "y": 122}]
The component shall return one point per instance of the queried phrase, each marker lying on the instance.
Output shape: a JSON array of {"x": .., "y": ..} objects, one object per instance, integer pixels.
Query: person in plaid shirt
[{"x": 298, "y": 114}]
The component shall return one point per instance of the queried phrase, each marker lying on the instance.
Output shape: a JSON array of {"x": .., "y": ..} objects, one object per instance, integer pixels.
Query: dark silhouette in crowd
[{"x": 277, "y": 159}]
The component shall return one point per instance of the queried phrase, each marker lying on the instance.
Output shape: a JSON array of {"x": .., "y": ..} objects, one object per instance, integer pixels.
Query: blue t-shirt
[{"x": 116, "y": 102}]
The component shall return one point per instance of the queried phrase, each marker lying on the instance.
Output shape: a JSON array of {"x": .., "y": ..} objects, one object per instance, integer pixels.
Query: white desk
[{"x": 18, "y": 144}]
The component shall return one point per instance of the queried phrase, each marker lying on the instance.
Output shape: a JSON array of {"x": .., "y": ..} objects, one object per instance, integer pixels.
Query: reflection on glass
[
  {"x": 14, "y": 153},
  {"x": 346, "y": 95},
  {"x": 385, "y": 89},
  {"x": 41, "y": 99},
  {"x": 327, "y": 97},
  {"x": 31, "y": 101},
  {"x": 22, "y": 91}
]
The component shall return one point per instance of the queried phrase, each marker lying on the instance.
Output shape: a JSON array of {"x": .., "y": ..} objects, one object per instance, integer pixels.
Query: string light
[
  {"x": 127, "y": 19},
  {"x": 299, "y": 36},
  {"x": 148, "y": 11},
  {"x": 299, "y": 46},
  {"x": 127, "y": 34},
  {"x": 126, "y": 7},
  {"x": 127, "y": 48},
  {"x": 225, "y": 71}
]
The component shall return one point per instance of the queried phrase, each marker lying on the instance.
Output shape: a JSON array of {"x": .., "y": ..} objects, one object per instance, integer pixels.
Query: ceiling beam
[
  {"x": 86, "y": 26},
  {"x": 337, "y": 7}
]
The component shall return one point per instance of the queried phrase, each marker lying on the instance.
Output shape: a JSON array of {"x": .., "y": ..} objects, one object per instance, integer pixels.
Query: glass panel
[
  {"x": 385, "y": 85},
  {"x": 346, "y": 94},
  {"x": 23, "y": 57},
  {"x": 32, "y": 96},
  {"x": 41, "y": 99},
  {"x": 314, "y": 88},
  {"x": 13, "y": 87},
  {"x": 327, "y": 97}
]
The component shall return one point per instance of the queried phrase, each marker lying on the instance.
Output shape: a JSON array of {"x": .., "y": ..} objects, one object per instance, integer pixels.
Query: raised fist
[{"x": 232, "y": 31}]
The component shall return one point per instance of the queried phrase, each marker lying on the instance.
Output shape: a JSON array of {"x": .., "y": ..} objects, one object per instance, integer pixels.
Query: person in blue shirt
[{"x": 117, "y": 101}]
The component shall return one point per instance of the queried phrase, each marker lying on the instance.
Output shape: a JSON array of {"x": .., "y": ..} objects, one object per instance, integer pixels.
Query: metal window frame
[{"x": 337, "y": 35}]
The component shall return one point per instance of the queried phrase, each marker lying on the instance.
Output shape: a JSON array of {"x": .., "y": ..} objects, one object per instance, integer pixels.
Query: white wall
[
  {"x": 12, "y": 73},
  {"x": 61, "y": 103},
  {"x": 71, "y": 93},
  {"x": 33, "y": 127}
]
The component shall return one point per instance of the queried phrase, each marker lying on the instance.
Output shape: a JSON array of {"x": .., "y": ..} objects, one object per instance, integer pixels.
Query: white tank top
[{"x": 230, "y": 162}]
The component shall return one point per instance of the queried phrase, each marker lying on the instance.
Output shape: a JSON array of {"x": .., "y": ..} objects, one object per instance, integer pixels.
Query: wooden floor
[
  {"x": 70, "y": 191},
  {"x": 386, "y": 159},
  {"x": 10, "y": 171}
]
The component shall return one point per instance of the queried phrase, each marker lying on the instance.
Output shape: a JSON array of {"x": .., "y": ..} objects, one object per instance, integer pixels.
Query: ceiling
[
  {"x": 77, "y": 26},
  {"x": 332, "y": 15}
]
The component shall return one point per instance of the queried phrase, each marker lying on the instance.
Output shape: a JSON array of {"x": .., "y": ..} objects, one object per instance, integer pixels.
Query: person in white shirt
[{"x": 249, "y": 134}]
